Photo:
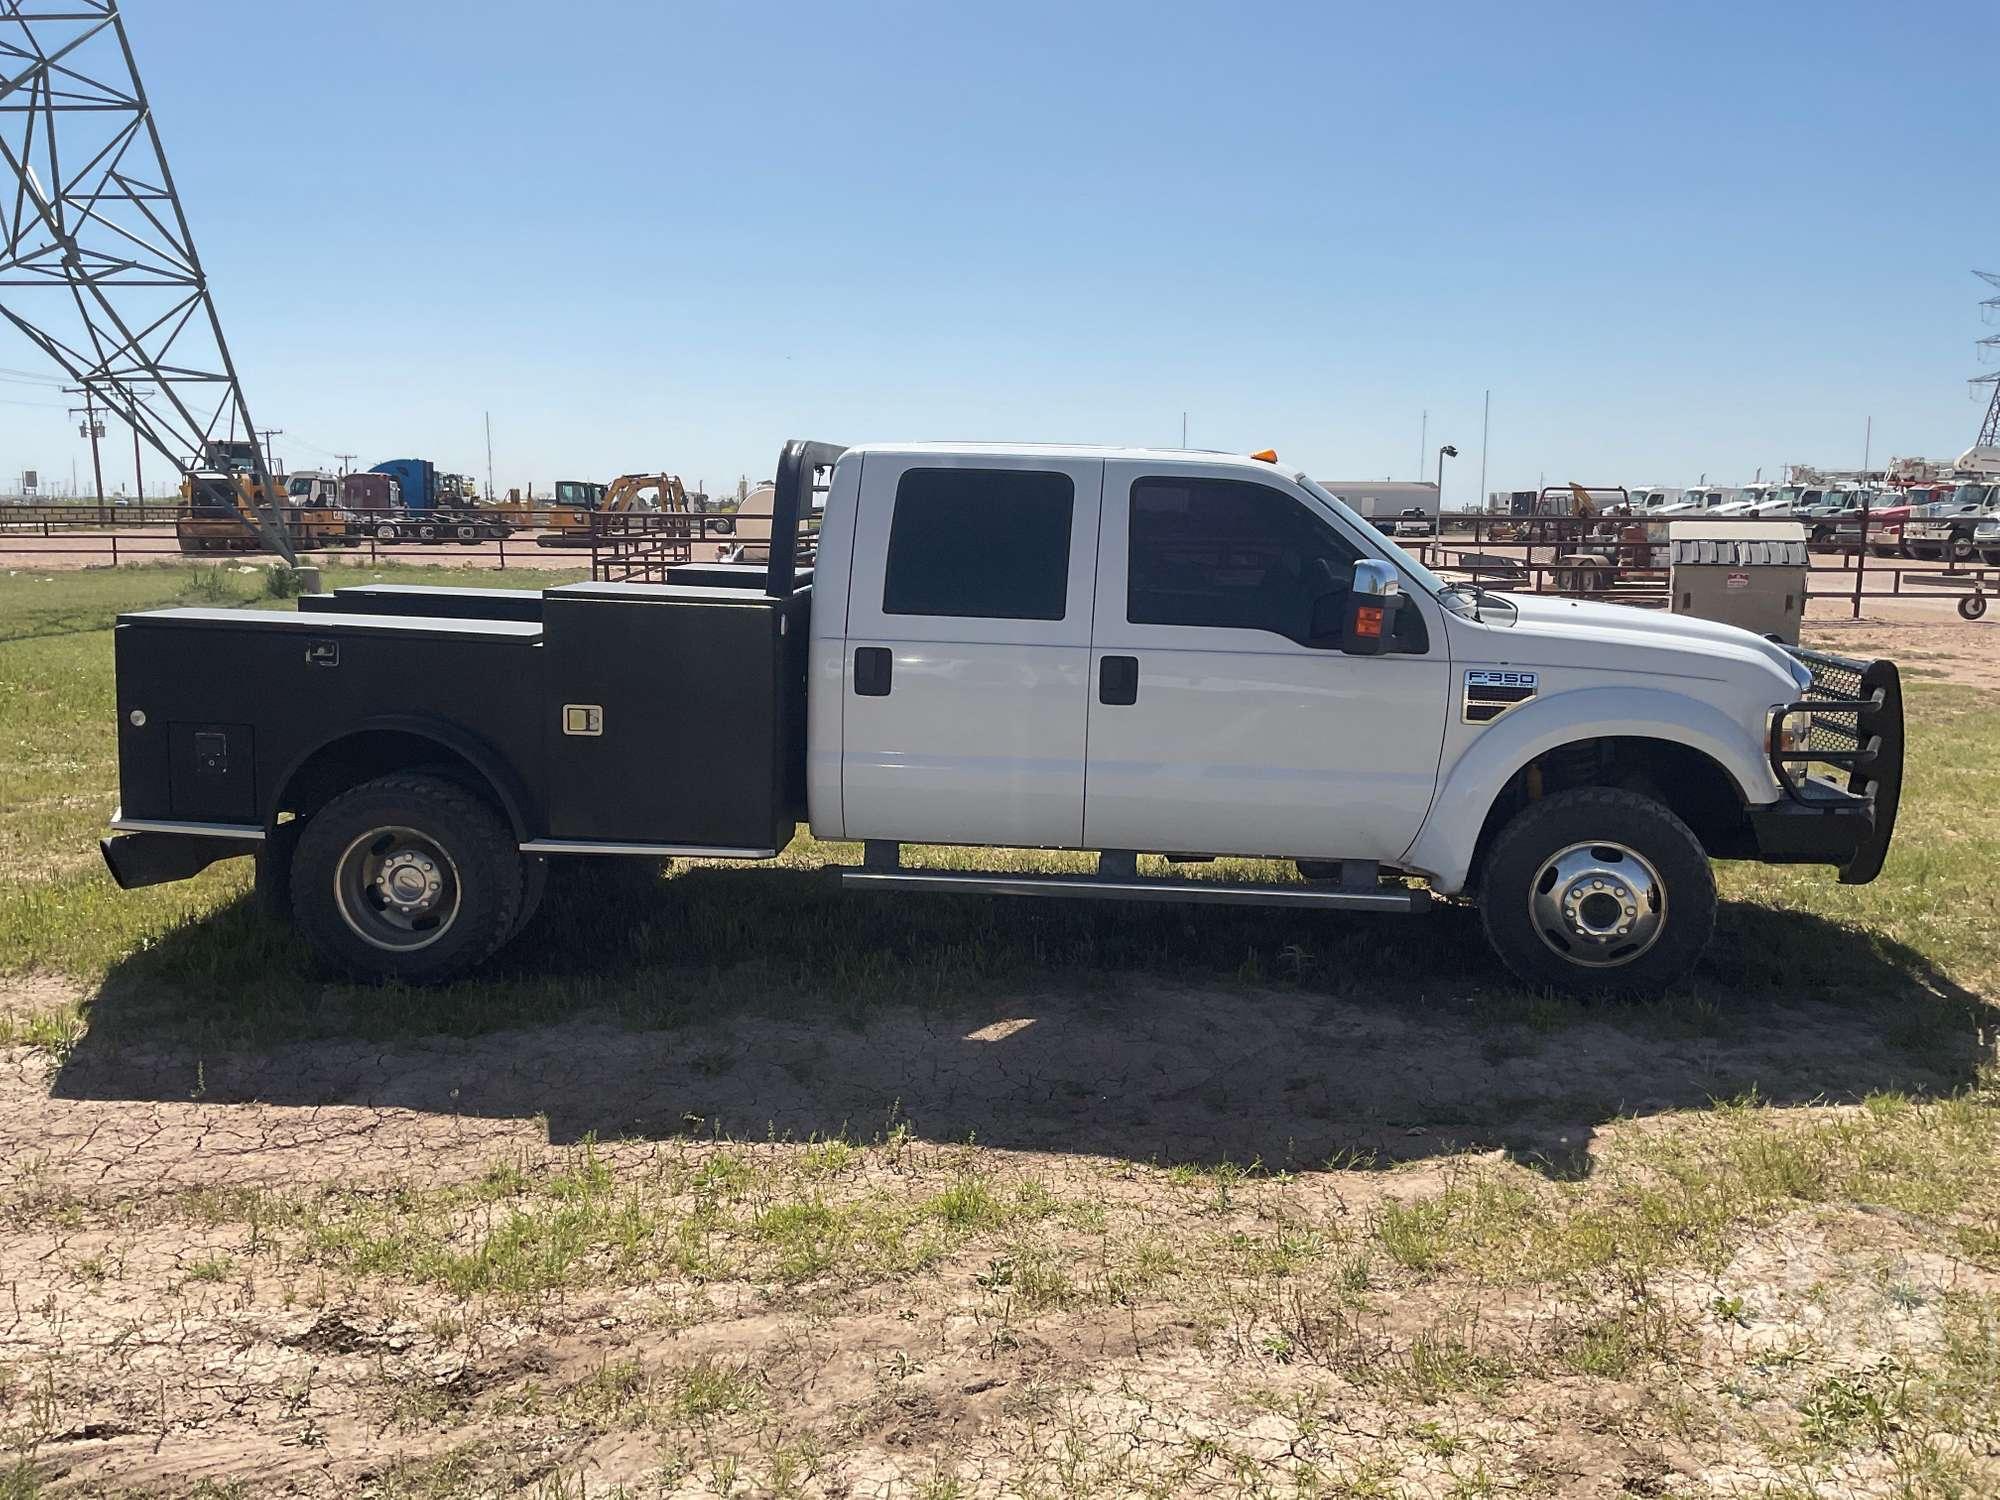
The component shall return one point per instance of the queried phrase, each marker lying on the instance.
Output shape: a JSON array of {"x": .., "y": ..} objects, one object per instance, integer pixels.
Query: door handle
[
  {"x": 1118, "y": 680},
  {"x": 874, "y": 667}
]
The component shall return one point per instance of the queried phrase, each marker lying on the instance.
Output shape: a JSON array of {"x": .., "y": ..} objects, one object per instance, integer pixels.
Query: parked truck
[
  {"x": 433, "y": 508},
  {"x": 221, "y": 499},
  {"x": 1947, "y": 528},
  {"x": 1117, "y": 650}
]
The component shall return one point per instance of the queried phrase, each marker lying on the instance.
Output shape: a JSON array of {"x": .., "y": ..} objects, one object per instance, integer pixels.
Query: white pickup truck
[{"x": 1120, "y": 650}]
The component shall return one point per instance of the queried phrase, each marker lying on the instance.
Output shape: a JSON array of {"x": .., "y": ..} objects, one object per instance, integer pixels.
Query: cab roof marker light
[{"x": 1266, "y": 455}]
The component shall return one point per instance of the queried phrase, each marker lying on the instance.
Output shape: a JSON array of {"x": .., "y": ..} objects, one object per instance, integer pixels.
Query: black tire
[
  {"x": 1961, "y": 549},
  {"x": 429, "y": 829},
  {"x": 1581, "y": 847},
  {"x": 1972, "y": 606}
]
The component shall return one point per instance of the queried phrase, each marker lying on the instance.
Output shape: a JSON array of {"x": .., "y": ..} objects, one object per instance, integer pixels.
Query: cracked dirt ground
[{"x": 1084, "y": 1243}]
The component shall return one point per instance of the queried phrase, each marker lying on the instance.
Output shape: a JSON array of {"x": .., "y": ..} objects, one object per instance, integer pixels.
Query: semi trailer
[
  {"x": 432, "y": 508},
  {"x": 1115, "y": 650}
]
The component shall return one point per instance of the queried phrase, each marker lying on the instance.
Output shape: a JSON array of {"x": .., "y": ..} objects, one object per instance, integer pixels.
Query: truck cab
[
  {"x": 1126, "y": 651},
  {"x": 313, "y": 489},
  {"x": 1948, "y": 527}
]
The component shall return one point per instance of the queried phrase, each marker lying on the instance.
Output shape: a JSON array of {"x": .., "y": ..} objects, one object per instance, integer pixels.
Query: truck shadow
[{"x": 760, "y": 1005}]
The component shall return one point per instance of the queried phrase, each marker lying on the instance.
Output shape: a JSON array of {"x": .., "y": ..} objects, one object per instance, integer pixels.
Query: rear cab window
[{"x": 980, "y": 543}]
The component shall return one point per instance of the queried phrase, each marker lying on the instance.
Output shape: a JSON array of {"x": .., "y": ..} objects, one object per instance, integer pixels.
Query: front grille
[{"x": 1836, "y": 679}]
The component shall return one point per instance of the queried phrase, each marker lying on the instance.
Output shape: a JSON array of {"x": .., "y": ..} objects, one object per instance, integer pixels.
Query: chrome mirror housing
[{"x": 1373, "y": 576}]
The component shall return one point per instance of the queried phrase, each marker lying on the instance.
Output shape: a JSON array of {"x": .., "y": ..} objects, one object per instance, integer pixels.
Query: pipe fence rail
[
  {"x": 1622, "y": 560},
  {"x": 1626, "y": 558}
]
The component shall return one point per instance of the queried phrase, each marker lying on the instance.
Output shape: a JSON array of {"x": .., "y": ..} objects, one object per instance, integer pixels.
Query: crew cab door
[
  {"x": 1214, "y": 728},
  {"x": 968, "y": 649}
]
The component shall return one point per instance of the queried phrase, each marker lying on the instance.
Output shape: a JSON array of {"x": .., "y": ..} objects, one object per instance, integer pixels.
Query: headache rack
[
  {"x": 1854, "y": 726},
  {"x": 642, "y": 546}
]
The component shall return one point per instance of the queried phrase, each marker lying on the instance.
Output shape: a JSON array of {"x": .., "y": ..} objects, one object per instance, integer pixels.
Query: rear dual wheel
[
  {"x": 409, "y": 877},
  {"x": 1598, "y": 891}
]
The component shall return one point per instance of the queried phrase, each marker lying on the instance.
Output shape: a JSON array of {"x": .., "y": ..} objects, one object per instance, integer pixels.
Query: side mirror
[{"x": 1368, "y": 623}]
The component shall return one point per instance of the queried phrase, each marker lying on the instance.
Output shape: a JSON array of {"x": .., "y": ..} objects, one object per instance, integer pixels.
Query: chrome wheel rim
[
  {"x": 396, "y": 889},
  {"x": 1598, "y": 905}
]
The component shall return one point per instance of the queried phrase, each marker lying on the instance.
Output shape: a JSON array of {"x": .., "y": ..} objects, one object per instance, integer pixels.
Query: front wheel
[
  {"x": 1598, "y": 891},
  {"x": 406, "y": 877}
]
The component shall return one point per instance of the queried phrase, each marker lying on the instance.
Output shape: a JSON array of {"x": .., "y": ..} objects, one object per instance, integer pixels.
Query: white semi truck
[{"x": 1107, "y": 649}]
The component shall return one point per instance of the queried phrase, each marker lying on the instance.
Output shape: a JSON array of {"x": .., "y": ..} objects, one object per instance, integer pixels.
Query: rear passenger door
[{"x": 967, "y": 671}]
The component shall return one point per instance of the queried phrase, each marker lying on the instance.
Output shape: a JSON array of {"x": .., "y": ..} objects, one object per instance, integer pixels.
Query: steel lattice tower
[
  {"x": 97, "y": 264},
  {"x": 1989, "y": 430}
]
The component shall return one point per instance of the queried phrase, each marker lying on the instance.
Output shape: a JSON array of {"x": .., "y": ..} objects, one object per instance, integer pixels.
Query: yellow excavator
[
  {"x": 578, "y": 500},
  {"x": 220, "y": 499}
]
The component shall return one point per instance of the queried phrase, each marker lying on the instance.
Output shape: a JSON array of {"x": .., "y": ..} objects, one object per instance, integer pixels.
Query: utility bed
[{"x": 678, "y": 722}]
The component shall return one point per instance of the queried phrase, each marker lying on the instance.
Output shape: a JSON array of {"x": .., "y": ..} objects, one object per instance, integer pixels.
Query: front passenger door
[{"x": 1214, "y": 727}]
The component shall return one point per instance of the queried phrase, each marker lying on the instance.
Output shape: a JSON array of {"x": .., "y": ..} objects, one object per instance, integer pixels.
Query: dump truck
[{"x": 1132, "y": 652}]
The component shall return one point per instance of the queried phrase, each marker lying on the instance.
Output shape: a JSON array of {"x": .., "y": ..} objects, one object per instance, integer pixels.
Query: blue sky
[{"x": 1673, "y": 239}]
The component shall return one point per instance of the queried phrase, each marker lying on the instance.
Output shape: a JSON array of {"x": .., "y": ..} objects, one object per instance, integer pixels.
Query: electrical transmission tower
[
  {"x": 97, "y": 264},
  {"x": 1989, "y": 430}
]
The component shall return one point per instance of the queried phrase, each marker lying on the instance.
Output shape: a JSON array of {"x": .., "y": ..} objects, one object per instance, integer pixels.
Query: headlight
[{"x": 1790, "y": 735}]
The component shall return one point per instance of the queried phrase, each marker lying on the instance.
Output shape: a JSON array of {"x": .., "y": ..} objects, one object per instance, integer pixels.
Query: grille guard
[{"x": 1856, "y": 726}]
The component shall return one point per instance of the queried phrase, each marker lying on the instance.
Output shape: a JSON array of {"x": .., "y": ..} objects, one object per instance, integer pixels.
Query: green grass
[
  {"x": 623, "y": 942},
  {"x": 58, "y": 753}
]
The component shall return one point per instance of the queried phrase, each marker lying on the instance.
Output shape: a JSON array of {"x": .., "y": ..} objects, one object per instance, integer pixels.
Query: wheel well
[
  {"x": 366, "y": 754},
  {"x": 1694, "y": 787}
]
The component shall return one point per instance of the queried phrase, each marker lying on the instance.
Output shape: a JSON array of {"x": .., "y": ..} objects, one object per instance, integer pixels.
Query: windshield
[
  {"x": 1430, "y": 581},
  {"x": 1972, "y": 494}
]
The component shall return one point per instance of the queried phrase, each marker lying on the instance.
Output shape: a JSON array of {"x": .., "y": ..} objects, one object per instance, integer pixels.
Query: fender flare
[
  {"x": 483, "y": 758},
  {"x": 1444, "y": 845}
]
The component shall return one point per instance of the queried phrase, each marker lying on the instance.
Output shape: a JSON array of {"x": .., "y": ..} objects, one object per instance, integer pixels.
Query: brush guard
[{"x": 1855, "y": 726}]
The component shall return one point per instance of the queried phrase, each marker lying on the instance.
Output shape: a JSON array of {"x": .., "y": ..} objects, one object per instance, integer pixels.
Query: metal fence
[
  {"x": 86, "y": 549},
  {"x": 1618, "y": 559},
  {"x": 1624, "y": 559},
  {"x": 44, "y": 518}
]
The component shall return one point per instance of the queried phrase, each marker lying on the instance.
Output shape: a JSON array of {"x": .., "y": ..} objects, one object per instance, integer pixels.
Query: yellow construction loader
[
  {"x": 578, "y": 500},
  {"x": 220, "y": 499}
]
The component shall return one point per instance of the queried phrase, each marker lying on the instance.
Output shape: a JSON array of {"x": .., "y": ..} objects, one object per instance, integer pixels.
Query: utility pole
[
  {"x": 267, "y": 433},
  {"x": 1183, "y": 429},
  {"x": 346, "y": 459},
  {"x": 489, "y": 457},
  {"x": 1485, "y": 426},
  {"x": 1423, "y": 444},
  {"x": 93, "y": 429}
]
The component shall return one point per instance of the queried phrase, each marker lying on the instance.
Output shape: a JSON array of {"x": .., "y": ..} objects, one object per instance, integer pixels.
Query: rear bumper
[
  {"x": 1856, "y": 718},
  {"x": 144, "y": 852}
]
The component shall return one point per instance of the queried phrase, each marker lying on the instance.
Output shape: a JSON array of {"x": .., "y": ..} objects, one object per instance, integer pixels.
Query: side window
[
  {"x": 989, "y": 543},
  {"x": 1226, "y": 553}
]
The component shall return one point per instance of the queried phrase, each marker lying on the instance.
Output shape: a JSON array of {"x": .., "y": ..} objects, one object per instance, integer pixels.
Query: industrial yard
[
  {"x": 940, "y": 969},
  {"x": 975, "y": 1197}
]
